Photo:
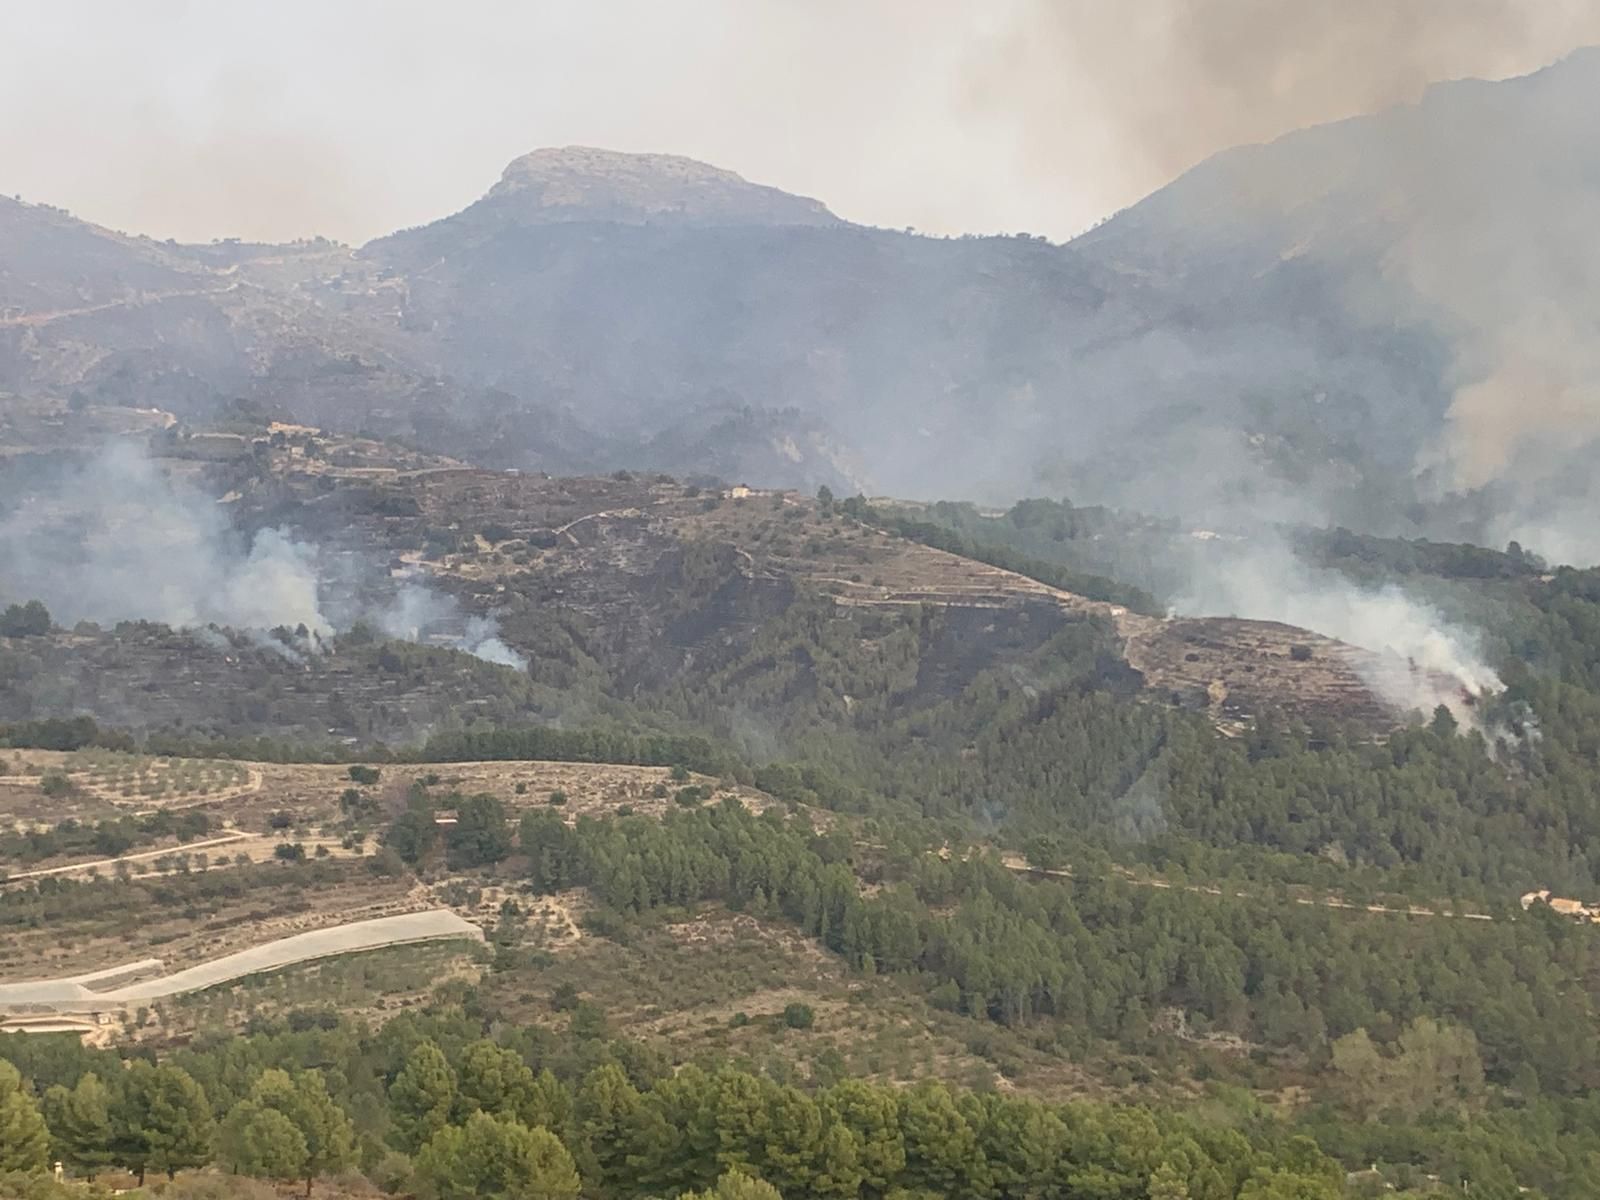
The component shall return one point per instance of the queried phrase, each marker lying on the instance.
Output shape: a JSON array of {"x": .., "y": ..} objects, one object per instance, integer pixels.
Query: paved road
[{"x": 72, "y": 996}]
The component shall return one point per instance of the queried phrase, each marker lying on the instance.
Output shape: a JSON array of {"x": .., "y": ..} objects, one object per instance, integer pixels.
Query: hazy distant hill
[
  {"x": 50, "y": 260},
  {"x": 1347, "y": 324}
]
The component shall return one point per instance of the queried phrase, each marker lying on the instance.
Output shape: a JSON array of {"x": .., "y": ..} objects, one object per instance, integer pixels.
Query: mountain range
[{"x": 1384, "y": 323}]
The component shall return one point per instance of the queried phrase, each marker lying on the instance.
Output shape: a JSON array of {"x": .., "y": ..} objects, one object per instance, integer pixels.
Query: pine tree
[
  {"x": 737, "y": 1185},
  {"x": 838, "y": 1172},
  {"x": 80, "y": 1122},
  {"x": 24, "y": 1137},
  {"x": 261, "y": 1142},
  {"x": 496, "y": 1157},
  {"x": 495, "y": 1080},
  {"x": 793, "y": 1142},
  {"x": 942, "y": 1152},
  {"x": 550, "y": 1104},
  {"x": 606, "y": 1113},
  {"x": 326, "y": 1128},
  {"x": 872, "y": 1115},
  {"x": 1168, "y": 1184},
  {"x": 161, "y": 1120},
  {"x": 421, "y": 1096}
]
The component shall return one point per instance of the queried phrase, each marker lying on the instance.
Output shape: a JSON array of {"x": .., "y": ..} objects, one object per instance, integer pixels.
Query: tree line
[{"x": 432, "y": 1106}]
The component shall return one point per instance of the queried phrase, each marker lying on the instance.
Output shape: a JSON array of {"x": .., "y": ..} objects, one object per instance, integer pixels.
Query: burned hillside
[{"x": 624, "y": 594}]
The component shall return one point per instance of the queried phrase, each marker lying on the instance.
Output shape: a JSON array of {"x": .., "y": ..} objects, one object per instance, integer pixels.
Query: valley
[{"x": 644, "y": 688}]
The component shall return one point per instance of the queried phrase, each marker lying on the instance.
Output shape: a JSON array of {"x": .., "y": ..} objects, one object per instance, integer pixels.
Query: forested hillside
[
  {"x": 1227, "y": 831},
  {"x": 995, "y": 826}
]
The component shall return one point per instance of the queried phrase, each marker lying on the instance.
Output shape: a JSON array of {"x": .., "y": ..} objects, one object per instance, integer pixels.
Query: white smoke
[
  {"x": 414, "y": 611},
  {"x": 119, "y": 539},
  {"x": 482, "y": 640},
  {"x": 1421, "y": 660},
  {"x": 419, "y": 613}
]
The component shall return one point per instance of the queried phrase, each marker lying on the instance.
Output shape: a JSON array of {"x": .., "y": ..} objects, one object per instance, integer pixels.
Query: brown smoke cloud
[
  {"x": 282, "y": 118},
  {"x": 1165, "y": 83},
  {"x": 1480, "y": 212}
]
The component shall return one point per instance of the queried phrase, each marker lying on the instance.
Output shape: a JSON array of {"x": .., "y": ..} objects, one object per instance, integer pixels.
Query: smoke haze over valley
[
  {"x": 1286, "y": 334},
  {"x": 800, "y": 600}
]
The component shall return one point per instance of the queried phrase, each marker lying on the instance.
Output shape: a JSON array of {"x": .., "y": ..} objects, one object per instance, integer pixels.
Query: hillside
[
  {"x": 466, "y": 730},
  {"x": 761, "y": 776},
  {"x": 1296, "y": 312},
  {"x": 615, "y": 588}
]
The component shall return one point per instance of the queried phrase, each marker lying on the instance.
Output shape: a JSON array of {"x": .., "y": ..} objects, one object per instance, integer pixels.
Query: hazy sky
[{"x": 280, "y": 118}]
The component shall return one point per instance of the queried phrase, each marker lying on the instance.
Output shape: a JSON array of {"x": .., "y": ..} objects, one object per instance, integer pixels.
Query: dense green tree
[
  {"x": 793, "y": 1154},
  {"x": 325, "y": 1128},
  {"x": 261, "y": 1141},
  {"x": 1168, "y": 1184},
  {"x": 421, "y": 1097},
  {"x": 160, "y": 1120},
  {"x": 80, "y": 1124},
  {"x": 24, "y": 1139},
  {"x": 496, "y": 1158},
  {"x": 872, "y": 1115},
  {"x": 414, "y": 833},
  {"x": 25, "y": 620},
  {"x": 737, "y": 1185},
  {"x": 1023, "y": 1143},
  {"x": 1272, "y": 1184},
  {"x": 480, "y": 835},
  {"x": 605, "y": 1114},
  {"x": 495, "y": 1080},
  {"x": 942, "y": 1152}
]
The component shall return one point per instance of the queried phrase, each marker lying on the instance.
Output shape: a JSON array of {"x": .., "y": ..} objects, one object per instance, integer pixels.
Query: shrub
[
  {"x": 946, "y": 996},
  {"x": 366, "y": 776},
  {"x": 386, "y": 864},
  {"x": 565, "y": 998},
  {"x": 799, "y": 1016},
  {"x": 25, "y": 620}
]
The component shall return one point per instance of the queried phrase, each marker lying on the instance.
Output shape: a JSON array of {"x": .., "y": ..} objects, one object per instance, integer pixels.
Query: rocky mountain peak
[{"x": 583, "y": 183}]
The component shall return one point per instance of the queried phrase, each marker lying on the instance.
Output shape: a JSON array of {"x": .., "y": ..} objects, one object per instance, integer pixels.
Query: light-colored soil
[
  {"x": 331, "y": 941},
  {"x": 210, "y": 924}
]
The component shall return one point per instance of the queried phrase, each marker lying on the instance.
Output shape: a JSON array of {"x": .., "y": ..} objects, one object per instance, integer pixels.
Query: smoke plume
[
  {"x": 1421, "y": 659},
  {"x": 119, "y": 539},
  {"x": 1475, "y": 203},
  {"x": 418, "y": 613},
  {"x": 1167, "y": 83}
]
